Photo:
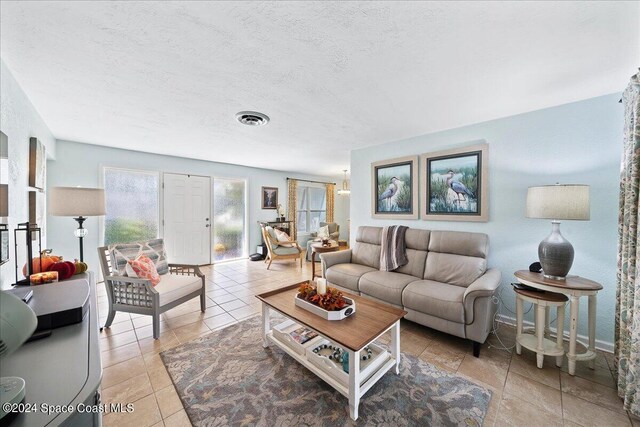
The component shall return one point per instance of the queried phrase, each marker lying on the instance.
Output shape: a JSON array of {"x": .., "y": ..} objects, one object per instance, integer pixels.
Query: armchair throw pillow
[
  {"x": 323, "y": 232},
  {"x": 143, "y": 268},
  {"x": 121, "y": 253},
  {"x": 283, "y": 238}
]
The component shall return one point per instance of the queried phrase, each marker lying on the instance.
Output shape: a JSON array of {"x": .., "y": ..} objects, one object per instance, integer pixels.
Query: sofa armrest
[
  {"x": 332, "y": 258},
  {"x": 484, "y": 285}
]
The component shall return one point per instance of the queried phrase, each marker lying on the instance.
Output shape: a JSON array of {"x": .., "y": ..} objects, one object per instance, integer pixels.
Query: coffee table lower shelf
[{"x": 357, "y": 387}]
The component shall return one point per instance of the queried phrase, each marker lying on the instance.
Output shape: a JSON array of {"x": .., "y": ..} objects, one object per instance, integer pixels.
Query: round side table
[
  {"x": 574, "y": 287},
  {"x": 537, "y": 342},
  {"x": 317, "y": 248}
]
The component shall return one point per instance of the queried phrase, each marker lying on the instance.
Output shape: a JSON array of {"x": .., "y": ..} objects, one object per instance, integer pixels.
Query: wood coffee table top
[{"x": 355, "y": 332}]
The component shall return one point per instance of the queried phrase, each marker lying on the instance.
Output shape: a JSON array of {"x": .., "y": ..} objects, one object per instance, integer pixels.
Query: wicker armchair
[{"x": 133, "y": 295}]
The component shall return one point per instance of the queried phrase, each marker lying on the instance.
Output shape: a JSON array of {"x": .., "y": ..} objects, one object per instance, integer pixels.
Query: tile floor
[{"x": 522, "y": 394}]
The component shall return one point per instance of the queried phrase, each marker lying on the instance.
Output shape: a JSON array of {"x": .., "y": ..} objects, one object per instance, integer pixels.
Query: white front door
[{"x": 187, "y": 213}]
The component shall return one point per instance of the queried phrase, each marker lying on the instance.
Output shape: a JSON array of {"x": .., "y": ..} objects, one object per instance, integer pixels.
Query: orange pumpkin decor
[{"x": 46, "y": 259}]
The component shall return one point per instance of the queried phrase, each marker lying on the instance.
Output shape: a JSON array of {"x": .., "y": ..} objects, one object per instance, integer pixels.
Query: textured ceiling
[{"x": 169, "y": 77}]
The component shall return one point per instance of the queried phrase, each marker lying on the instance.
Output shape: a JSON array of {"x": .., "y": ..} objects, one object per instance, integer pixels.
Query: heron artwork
[
  {"x": 453, "y": 184},
  {"x": 393, "y": 188},
  {"x": 389, "y": 195},
  {"x": 459, "y": 188}
]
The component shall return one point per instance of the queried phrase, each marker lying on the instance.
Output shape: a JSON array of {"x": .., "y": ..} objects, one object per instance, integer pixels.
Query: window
[
  {"x": 312, "y": 208},
  {"x": 132, "y": 205},
  {"x": 229, "y": 228}
]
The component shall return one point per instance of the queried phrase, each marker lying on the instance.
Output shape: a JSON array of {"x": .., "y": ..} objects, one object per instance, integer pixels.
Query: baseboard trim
[{"x": 600, "y": 345}]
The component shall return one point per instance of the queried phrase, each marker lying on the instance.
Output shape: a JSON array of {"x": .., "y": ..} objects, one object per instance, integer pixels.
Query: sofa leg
[
  {"x": 476, "y": 349},
  {"x": 203, "y": 302}
]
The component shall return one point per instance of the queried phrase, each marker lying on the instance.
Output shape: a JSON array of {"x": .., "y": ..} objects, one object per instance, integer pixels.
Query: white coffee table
[{"x": 371, "y": 320}]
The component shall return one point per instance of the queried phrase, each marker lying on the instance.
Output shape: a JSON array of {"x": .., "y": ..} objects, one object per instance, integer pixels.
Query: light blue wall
[
  {"x": 19, "y": 120},
  {"x": 574, "y": 143},
  {"x": 81, "y": 164}
]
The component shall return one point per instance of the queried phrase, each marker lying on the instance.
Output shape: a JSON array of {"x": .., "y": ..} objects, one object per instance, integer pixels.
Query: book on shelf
[{"x": 302, "y": 335}]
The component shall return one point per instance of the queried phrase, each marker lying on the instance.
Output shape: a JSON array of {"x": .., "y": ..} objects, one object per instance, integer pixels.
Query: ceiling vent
[{"x": 252, "y": 118}]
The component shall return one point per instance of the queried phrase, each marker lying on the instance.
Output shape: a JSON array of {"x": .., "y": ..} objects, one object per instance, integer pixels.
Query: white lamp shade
[
  {"x": 76, "y": 201},
  {"x": 559, "y": 202}
]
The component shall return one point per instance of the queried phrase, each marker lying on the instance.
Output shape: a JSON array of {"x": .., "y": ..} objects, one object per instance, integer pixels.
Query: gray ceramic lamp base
[{"x": 556, "y": 254}]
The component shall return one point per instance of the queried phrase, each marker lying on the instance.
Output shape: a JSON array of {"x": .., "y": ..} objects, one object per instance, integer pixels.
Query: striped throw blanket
[{"x": 394, "y": 249}]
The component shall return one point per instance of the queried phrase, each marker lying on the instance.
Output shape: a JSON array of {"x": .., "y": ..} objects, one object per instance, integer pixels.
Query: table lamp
[
  {"x": 78, "y": 202},
  {"x": 557, "y": 202}
]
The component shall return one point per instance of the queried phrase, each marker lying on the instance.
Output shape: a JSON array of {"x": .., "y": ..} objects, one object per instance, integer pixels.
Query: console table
[
  {"x": 62, "y": 369},
  {"x": 574, "y": 287}
]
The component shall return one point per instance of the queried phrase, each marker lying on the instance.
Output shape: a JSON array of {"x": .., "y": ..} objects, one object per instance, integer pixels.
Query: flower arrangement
[
  {"x": 331, "y": 300},
  {"x": 280, "y": 211}
]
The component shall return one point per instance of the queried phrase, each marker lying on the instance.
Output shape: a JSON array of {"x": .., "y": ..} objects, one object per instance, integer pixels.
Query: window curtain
[
  {"x": 331, "y": 191},
  {"x": 292, "y": 207},
  {"x": 627, "y": 326}
]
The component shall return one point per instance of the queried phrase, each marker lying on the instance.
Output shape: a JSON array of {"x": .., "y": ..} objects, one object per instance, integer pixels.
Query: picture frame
[
  {"x": 37, "y": 164},
  {"x": 455, "y": 184},
  {"x": 394, "y": 188},
  {"x": 4, "y": 178},
  {"x": 4, "y": 243},
  {"x": 270, "y": 198}
]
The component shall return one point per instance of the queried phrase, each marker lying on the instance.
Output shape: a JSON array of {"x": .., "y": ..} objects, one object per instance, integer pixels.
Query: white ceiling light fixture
[
  {"x": 344, "y": 191},
  {"x": 252, "y": 118}
]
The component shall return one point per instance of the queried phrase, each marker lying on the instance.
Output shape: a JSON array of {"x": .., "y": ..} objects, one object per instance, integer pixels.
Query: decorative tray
[{"x": 345, "y": 312}]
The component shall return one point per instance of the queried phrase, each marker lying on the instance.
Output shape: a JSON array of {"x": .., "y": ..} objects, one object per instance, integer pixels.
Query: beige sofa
[{"x": 446, "y": 284}]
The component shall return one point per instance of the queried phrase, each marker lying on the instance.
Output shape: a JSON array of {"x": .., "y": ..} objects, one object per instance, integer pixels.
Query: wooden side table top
[
  {"x": 318, "y": 248},
  {"x": 576, "y": 283},
  {"x": 544, "y": 296},
  {"x": 355, "y": 332}
]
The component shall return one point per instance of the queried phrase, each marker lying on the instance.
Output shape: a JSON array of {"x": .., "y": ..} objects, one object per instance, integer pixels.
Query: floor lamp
[{"x": 78, "y": 202}]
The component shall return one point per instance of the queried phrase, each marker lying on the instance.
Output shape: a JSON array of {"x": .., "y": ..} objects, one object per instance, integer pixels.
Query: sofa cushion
[
  {"x": 436, "y": 299},
  {"x": 385, "y": 285},
  {"x": 175, "y": 286},
  {"x": 371, "y": 235},
  {"x": 417, "y": 239},
  {"x": 459, "y": 243},
  {"x": 457, "y": 270},
  {"x": 415, "y": 266},
  {"x": 366, "y": 250},
  {"x": 366, "y": 254},
  {"x": 347, "y": 275}
]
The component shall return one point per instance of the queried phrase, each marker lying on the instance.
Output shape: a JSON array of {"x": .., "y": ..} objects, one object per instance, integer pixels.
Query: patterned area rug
[{"x": 227, "y": 378}]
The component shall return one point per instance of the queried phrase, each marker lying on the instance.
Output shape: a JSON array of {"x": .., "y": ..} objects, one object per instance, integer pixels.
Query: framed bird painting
[
  {"x": 394, "y": 185},
  {"x": 455, "y": 184}
]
